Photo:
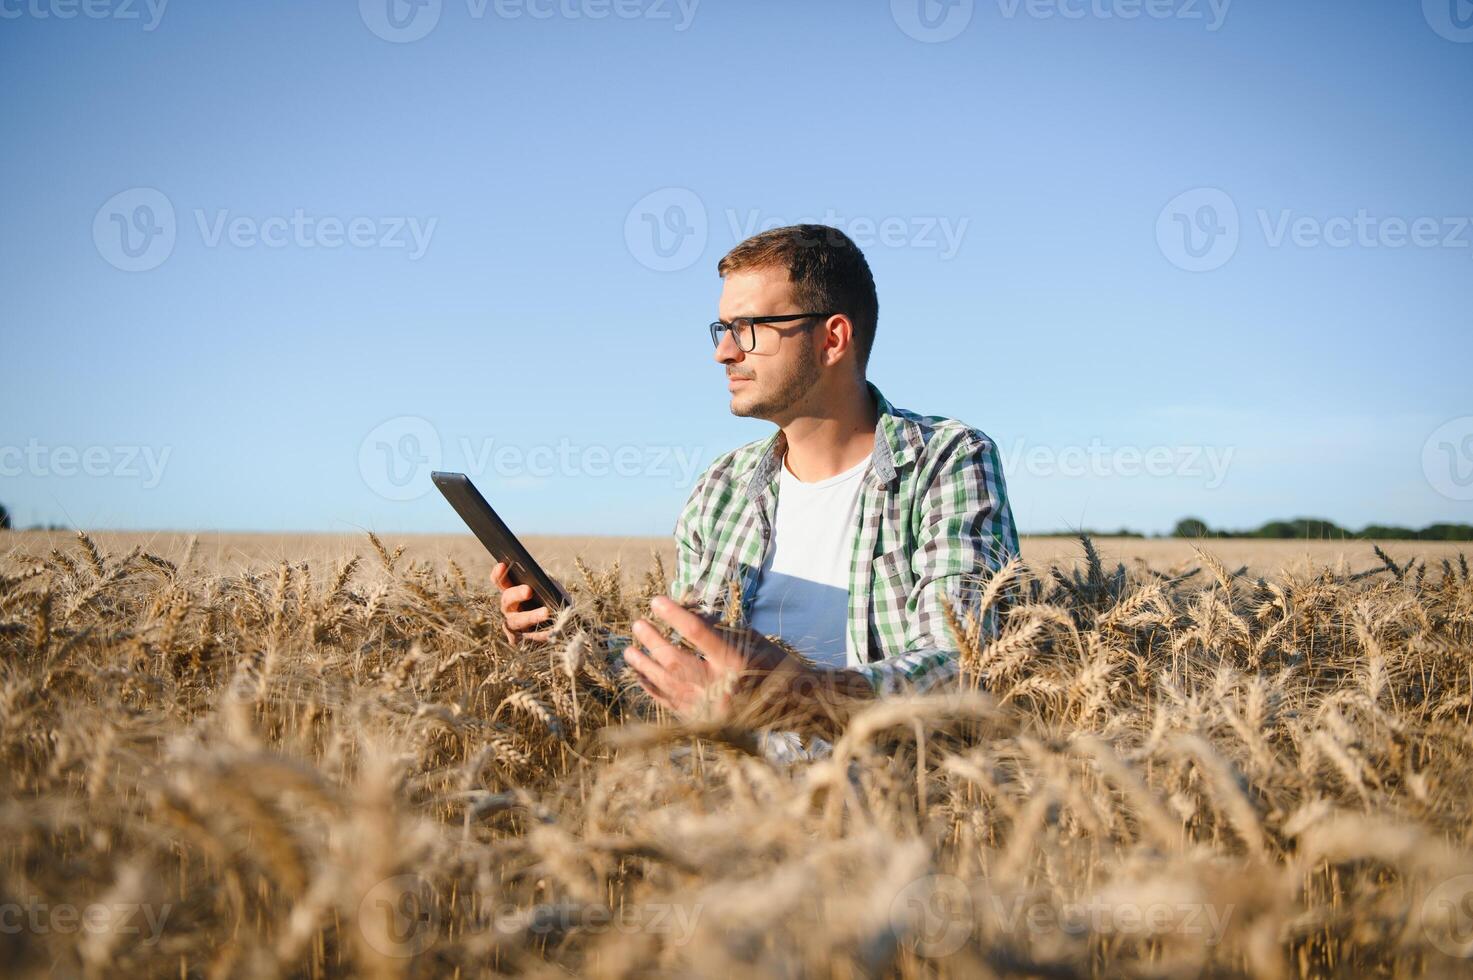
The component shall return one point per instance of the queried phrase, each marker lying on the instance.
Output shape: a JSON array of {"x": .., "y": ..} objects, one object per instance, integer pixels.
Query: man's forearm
[{"x": 913, "y": 671}]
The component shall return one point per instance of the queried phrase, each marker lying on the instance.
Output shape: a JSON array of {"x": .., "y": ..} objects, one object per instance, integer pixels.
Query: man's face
[{"x": 770, "y": 381}]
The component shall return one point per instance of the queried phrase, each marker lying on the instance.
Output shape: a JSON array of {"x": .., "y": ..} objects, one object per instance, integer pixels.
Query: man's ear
[{"x": 838, "y": 337}]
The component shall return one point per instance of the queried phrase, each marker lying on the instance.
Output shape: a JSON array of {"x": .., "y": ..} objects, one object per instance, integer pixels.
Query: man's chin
[{"x": 743, "y": 407}]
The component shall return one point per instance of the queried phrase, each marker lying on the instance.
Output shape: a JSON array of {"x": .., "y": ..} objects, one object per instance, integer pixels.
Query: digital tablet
[{"x": 498, "y": 539}]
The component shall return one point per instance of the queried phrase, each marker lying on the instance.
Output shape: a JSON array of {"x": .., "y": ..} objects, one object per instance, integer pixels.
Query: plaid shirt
[{"x": 933, "y": 520}]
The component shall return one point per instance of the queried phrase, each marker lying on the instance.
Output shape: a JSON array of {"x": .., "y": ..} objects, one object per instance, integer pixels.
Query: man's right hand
[{"x": 519, "y": 623}]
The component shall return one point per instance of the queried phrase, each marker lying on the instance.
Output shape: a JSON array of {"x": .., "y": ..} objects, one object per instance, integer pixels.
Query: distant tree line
[
  {"x": 1297, "y": 529},
  {"x": 5, "y": 524},
  {"x": 1315, "y": 528},
  {"x": 1123, "y": 532}
]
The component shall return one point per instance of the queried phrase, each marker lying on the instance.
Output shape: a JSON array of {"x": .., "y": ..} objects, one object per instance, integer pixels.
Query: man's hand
[
  {"x": 519, "y": 622},
  {"x": 737, "y": 667}
]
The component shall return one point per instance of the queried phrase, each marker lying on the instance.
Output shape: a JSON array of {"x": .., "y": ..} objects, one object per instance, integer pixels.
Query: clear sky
[{"x": 265, "y": 264}]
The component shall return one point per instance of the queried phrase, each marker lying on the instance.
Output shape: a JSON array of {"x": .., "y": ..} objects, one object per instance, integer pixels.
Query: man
[{"x": 843, "y": 531}]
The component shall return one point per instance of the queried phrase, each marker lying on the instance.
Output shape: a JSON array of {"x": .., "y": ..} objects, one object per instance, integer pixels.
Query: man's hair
[{"x": 828, "y": 272}]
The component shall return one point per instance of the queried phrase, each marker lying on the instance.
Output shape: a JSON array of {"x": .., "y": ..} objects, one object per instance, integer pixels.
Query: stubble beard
[{"x": 786, "y": 392}]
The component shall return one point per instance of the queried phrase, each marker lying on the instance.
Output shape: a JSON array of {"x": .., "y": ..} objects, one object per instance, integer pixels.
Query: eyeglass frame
[{"x": 753, "y": 321}]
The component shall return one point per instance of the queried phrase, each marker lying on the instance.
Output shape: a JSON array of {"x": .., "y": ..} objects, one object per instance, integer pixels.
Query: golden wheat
[{"x": 259, "y": 773}]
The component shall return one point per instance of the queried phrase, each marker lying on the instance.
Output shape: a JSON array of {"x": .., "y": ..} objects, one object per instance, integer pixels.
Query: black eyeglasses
[{"x": 744, "y": 328}]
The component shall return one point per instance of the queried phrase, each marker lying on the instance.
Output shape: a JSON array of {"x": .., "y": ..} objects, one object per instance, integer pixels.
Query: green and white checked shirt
[{"x": 933, "y": 520}]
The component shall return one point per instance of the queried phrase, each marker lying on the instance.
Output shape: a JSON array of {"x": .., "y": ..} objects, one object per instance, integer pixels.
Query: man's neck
[{"x": 834, "y": 440}]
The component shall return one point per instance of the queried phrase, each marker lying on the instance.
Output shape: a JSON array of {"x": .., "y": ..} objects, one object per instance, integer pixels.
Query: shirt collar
[{"x": 895, "y": 439}]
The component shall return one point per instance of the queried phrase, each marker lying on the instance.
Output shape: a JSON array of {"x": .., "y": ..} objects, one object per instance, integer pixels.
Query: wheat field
[{"x": 266, "y": 758}]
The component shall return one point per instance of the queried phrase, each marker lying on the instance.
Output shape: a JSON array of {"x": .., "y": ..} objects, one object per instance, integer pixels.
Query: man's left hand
[{"x": 735, "y": 661}]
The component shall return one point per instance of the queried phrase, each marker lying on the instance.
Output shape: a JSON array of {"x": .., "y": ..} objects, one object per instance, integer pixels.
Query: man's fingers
[
  {"x": 514, "y": 596},
  {"x": 656, "y": 694},
  {"x": 527, "y": 617},
  {"x": 698, "y": 631},
  {"x": 515, "y": 638},
  {"x": 677, "y": 660},
  {"x": 652, "y": 677}
]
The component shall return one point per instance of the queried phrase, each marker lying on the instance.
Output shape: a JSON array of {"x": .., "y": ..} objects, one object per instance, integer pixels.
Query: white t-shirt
[{"x": 803, "y": 590}]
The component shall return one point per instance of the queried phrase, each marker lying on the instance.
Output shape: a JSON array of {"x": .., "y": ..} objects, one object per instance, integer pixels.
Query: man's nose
[{"x": 727, "y": 352}]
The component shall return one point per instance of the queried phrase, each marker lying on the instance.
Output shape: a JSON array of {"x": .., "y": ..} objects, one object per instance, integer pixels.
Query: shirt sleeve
[
  {"x": 689, "y": 541},
  {"x": 965, "y": 534}
]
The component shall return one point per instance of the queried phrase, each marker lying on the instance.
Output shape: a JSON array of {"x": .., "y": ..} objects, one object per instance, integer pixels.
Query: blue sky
[{"x": 265, "y": 264}]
